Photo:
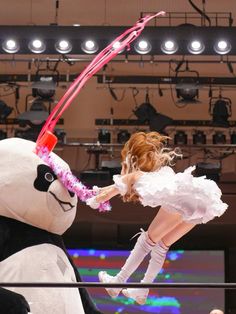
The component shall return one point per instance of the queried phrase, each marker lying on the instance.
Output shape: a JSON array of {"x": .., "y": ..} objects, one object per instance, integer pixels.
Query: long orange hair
[{"x": 146, "y": 152}]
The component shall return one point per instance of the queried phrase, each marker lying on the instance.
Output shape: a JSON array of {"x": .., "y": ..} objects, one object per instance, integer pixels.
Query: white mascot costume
[{"x": 35, "y": 210}]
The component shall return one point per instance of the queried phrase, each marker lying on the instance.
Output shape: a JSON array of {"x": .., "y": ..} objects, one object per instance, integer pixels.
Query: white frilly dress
[{"x": 197, "y": 199}]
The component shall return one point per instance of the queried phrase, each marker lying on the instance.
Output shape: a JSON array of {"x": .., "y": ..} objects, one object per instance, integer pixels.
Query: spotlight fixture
[
  {"x": 5, "y": 110},
  {"x": 10, "y": 46},
  {"x": 187, "y": 87},
  {"x": 89, "y": 46},
  {"x": 123, "y": 136},
  {"x": 45, "y": 83},
  {"x": 44, "y": 87},
  {"x": 187, "y": 90},
  {"x": 143, "y": 47},
  {"x": 117, "y": 45},
  {"x": 37, "y": 46},
  {"x": 199, "y": 138},
  {"x": 146, "y": 113},
  {"x": 220, "y": 110},
  {"x": 180, "y": 138},
  {"x": 61, "y": 135},
  {"x": 63, "y": 46},
  {"x": 222, "y": 47},
  {"x": 104, "y": 136},
  {"x": 219, "y": 138},
  {"x": 196, "y": 47},
  {"x": 169, "y": 47},
  {"x": 37, "y": 114}
]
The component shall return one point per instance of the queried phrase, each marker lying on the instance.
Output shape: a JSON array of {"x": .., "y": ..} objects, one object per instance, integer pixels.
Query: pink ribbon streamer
[
  {"x": 97, "y": 63},
  {"x": 65, "y": 176}
]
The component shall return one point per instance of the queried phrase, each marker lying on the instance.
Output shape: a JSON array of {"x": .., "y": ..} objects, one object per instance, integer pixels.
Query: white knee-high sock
[
  {"x": 158, "y": 255},
  {"x": 142, "y": 247}
]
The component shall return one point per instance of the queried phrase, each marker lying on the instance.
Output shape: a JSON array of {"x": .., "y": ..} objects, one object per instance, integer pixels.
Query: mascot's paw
[{"x": 13, "y": 303}]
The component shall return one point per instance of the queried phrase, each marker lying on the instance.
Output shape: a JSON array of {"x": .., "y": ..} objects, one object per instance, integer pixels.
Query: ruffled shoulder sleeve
[
  {"x": 119, "y": 184},
  {"x": 154, "y": 187}
]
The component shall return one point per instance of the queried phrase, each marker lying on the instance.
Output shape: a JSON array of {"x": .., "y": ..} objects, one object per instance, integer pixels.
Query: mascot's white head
[{"x": 29, "y": 190}]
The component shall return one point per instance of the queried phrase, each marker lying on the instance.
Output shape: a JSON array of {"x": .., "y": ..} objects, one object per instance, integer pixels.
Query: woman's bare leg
[
  {"x": 178, "y": 232},
  {"x": 162, "y": 224}
]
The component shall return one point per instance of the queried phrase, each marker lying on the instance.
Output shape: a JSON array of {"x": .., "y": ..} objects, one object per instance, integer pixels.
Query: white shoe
[
  {"x": 138, "y": 294},
  {"x": 105, "y": 278}
]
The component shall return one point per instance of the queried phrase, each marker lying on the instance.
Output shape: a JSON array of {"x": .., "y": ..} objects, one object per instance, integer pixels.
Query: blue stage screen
[{"x": 180, "y": 266}]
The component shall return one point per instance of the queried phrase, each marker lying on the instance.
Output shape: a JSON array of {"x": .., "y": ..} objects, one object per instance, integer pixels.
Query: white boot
[
  {"x": 158, "y": 255},
  {"x": 142, "y": 247}
]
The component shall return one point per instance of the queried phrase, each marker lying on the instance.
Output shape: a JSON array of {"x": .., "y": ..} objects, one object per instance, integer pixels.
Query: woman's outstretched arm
[{"x": 106, "y": 193}]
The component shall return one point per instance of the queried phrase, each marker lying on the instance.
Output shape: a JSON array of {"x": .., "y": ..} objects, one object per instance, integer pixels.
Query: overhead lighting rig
[{"x": 54, "y": 39}]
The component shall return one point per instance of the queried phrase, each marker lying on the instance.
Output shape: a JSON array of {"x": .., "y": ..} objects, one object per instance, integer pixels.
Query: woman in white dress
[{"x": 185, "y": 201}]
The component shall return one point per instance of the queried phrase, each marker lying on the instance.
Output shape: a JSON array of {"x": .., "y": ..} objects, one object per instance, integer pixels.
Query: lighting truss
[{"x": 156, "y": 40}]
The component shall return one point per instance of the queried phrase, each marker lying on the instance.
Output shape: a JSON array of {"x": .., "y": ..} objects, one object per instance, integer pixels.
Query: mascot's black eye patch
[{"x": 45, "y": 176}]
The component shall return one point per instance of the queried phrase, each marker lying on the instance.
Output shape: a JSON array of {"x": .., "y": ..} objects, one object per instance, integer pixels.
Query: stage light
[
  {"x": 145, "y": 112},
  {"x": 10, "y": 46},
  {"x": 222, "y": 47},
  {"x": 89, "y": 46},
  {"x": 5, "y": 110},
  {"x": 219, "y": 138},
  {"x": 44, "y": 87},
  {"x": 187, "y": 90},
  {"x": 196, "y": 47},
  {"x": 123, "y": 136},
  {"x": 169, "y": 47},
  {"x": 61, "y": 135},
  {"x": 37, "y": 114},
  {"x": 37, "y": 46},
  {"x": 63, "y": 46},
  {"x": 117, "y": 45},
  {"x": 181, "y": 138},
  {"x": 143, "y": 47},
  {"x": 199, "y": 137},
  {"x": 104, "y": 136},
  {"x": 220, "y": 111}
]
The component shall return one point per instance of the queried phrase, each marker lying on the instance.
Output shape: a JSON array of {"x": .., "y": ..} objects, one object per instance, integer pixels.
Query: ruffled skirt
[{"x": 197, "y": 199}]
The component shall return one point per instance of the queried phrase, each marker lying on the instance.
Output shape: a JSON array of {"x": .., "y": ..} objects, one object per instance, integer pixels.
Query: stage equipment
[
  {"x": 219, "y": 138},
  {"x": 220, "y": 110},
  {"x": 199, "y": 137},
  {"x": 5, "y": 110},
  {"x": 104, "y": 136},
  {"x": 146, "y": 113},
  {"x": 180, "y": 138},
  {"x": 187, "y": 87},
  {"x": 187, "y": 40},
  {"x": 37, "y": 114},
  {"x": 169, "y": 47},
  {"x": 45, "y": 83},
  {"x": 143, "y": 46},
  {"x": 233, "y": 138},
  {"x": 123, "y": 136}
]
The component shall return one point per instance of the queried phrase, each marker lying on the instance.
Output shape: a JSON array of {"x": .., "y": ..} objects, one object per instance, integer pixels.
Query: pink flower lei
[{"x": 70, "y": 182}]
